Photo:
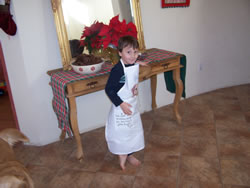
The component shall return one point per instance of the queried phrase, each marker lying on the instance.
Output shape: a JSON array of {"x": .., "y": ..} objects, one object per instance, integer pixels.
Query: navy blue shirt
[{"x": 115, "y": 83}]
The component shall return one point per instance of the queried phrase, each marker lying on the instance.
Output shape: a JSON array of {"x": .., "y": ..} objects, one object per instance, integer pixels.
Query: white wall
[
  {"x": 214, "y": 34},
  {"x": 28, "y": 56}
]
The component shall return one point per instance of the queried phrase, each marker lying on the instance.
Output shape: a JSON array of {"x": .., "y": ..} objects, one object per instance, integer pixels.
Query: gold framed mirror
[{"x": 62, "y": 33}]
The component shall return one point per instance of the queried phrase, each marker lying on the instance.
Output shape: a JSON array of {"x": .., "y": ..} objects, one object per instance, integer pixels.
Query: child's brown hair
[{"x": 127, "y": 41}]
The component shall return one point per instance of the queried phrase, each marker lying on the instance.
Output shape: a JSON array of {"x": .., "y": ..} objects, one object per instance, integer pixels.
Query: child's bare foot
[
  {"x": 122, "y": 159},
  {"x": 132, "y": 160}
]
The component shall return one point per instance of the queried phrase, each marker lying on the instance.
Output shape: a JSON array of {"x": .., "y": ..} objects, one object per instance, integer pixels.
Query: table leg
[
  {"x": 63, "y": 135},
  {"x": 153, "y": 90},
  {"x": 74, "y": 126},
  {"x": 179, "y": 90}
]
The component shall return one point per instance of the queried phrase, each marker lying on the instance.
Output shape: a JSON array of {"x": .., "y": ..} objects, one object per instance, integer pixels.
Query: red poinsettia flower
[
  {"x": 99, "y": 35},
  {"x": 90, "y": 38},
  {"x": 111, "y": 33}
]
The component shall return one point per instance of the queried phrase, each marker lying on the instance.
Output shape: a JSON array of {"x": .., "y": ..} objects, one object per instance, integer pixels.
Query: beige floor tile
[
  {"x": 166, "y": 128},
  {"x": 166, "y": 144},
  {"x": 200, "y": 169},
  {"x": 107, "y": 180},
  {"x": 66, "y": 178},
  {"x": 198, "y": 184},
  {"x": 235, "y": 172},
  {"x": 41, "y": 175},
  {"x": 153, "y": 182},
  {"x": 159, "y": 164}
]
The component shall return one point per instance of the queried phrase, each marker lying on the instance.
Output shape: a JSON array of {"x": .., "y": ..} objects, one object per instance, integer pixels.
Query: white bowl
[{"x": 87, "y": 69}]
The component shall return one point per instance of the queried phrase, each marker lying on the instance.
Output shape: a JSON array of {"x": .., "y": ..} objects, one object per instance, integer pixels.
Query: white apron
[{"x": 124, "y": 134}]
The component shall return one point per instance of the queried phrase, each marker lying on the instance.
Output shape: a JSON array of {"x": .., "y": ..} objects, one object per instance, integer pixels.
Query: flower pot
[{"x": 108, "y": 54}]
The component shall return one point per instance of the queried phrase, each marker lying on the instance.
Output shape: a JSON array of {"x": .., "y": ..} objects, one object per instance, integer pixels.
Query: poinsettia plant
[
  {"x": 90, "y": 38},
  {"x": 100, "y": 35}
]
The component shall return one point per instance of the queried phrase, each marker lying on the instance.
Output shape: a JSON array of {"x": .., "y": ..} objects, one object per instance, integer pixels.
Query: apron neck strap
[{"x": 122, "y": 63}]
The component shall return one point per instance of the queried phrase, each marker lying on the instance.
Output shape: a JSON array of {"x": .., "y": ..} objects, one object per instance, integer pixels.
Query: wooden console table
[{"x": 156, "y": 66}]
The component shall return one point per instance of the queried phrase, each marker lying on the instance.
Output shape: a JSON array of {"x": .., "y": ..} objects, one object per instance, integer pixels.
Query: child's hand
[
  {"x": 126, "y": 108},
  {"x": 143, "y": 63}
]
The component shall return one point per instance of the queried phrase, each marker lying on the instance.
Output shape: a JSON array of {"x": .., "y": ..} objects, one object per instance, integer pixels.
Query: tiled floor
[{"x": 210, "y": 149}]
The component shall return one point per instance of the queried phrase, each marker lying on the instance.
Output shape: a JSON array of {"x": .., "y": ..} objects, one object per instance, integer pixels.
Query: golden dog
[{"x": 13, "y": 174}]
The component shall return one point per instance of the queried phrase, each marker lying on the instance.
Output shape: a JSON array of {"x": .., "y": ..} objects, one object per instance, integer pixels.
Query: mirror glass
[
  {"x": 71, "y": 16},
  {"x": 86, "y": 12}
]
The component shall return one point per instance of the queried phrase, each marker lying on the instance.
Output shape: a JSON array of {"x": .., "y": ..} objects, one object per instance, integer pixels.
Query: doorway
[{"x": 8, "y": 118}]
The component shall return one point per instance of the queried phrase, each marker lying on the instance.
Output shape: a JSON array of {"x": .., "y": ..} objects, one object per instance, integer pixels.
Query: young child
[{"x": 124, "y": 131}]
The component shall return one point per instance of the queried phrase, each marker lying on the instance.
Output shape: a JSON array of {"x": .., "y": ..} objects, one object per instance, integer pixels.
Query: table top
[{"x": 154, "y": 55}]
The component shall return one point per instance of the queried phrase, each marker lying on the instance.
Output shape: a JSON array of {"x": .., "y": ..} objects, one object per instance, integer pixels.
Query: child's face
[{"x": 129, "y": 55}]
